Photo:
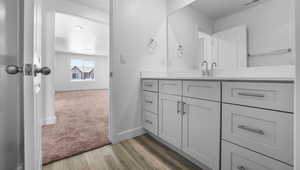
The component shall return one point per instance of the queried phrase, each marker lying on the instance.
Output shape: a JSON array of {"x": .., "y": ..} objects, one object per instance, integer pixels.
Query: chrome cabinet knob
[
  {"x": 13, "y": 69},
  {"x": 44, "y": 71}
]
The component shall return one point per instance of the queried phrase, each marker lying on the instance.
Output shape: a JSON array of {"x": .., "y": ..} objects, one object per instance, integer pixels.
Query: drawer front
[
  {"x": 210, "y": 90},
  {"x": 150, "y": 85},
  {"x": 150, "y": 122},
  {"x": 264, "y": 131},
  {"x": 237, "y": 158},
  {"x": 276, "y": 96},
  {"x": 170, "y": 87},
  {"x": 150, "y": 100}
]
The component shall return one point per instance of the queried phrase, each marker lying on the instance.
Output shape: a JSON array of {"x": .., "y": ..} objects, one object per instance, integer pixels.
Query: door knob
[
  {"x": 13, "y": 69},
  {"x": 44, "y": 71}
]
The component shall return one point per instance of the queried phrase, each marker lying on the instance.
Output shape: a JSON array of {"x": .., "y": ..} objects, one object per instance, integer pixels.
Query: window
[{"x": 82, "y": 70}]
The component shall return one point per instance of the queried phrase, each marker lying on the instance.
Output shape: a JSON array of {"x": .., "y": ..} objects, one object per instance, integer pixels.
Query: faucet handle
[
  {"x": 205, "y": 72},
  {"x": 204, "y": 62},
  {"x": 213, "y": 65}
]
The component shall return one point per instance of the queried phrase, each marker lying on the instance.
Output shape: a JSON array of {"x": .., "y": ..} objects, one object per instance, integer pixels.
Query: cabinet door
[
  {"x": 201, "y": 131},
  {"x": 170, "y": 119}
]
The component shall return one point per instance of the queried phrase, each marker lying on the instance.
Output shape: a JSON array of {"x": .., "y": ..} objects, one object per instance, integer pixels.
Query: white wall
[
  {"x": 134, "y": 23},
  {"x": 78, "y": 9},
  {"x": 62, "y": 73},
  {"x": 184, "y": 26},
  {"x": 270, "y": 27},
  {"x": 91, "y": 39},
  {"x": 173, "y": 5}
]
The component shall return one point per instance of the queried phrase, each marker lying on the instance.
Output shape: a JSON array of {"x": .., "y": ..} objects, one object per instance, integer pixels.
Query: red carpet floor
[{"x": 81, "y": 124}]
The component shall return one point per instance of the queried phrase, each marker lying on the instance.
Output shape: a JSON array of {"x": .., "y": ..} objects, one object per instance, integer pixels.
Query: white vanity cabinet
[
  {"x": 255, "y": 118},
  {"x": 189, "y": 118},
  {"x": 257, "y": 125}
]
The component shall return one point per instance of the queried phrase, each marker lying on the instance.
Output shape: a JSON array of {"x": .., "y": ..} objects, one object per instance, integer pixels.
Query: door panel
[
  {"x": 201, "y": 131},
  {"x": 230, "y": 48},
  {"x": 10, "y": 115},
  {"x": 170, "y": 120}
]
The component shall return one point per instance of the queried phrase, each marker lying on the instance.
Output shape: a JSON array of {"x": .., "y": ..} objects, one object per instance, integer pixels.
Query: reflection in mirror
[{"x": 233, "y": 34}]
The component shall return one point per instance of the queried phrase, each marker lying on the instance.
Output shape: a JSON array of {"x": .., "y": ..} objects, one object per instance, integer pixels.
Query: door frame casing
[
  {"x": 32, "y": 155},
  {"x": 28, "y": 21}
]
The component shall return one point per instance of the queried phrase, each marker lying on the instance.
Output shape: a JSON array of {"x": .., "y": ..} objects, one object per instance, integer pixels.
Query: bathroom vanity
[
  {"x": 225, "y": 101},
  {"x": 223, "y": 123}
]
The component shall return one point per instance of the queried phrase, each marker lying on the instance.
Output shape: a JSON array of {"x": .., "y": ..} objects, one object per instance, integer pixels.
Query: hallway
[{"x": 81, "y": 125}]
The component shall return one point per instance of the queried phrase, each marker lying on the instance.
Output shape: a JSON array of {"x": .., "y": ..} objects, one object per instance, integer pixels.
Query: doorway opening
[{"x": 76, "y": 96}]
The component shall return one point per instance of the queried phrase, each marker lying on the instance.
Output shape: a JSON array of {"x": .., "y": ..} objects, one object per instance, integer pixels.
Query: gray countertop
[{"x": 223, "y": 78}]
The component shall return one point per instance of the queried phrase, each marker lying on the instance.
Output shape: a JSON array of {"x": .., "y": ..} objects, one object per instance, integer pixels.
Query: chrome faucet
[
  {"x": 213, "y": 67},
  {"x": 206, "y": 71}
]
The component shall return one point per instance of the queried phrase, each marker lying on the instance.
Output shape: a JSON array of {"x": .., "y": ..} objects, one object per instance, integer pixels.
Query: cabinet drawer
[
  {"x": 264, "y": 131},
  {"x": 202, "y": 89},
  {"x": 150, "y": 122},
  {"x": 150, "y": 85},
  {"x": 237, "y": 158},
  {"x": 150, "y": 100},
  {"x": 276, "y": 96},
  {"x": 170, "y": 87}
]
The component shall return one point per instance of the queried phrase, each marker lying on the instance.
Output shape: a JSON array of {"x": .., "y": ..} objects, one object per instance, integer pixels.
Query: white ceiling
[
  {"x": 215, "y": 9},
  {"x": 99, "y": 4},
  {"x": 79, "y": 35}
]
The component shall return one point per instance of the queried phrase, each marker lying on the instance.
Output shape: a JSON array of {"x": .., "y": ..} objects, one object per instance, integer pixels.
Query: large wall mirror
[{"x": 232, "y": 33}]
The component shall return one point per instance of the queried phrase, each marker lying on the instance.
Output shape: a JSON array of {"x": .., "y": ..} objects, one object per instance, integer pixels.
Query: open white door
[
  {"x": 20, "y": 86},
  {"x": 32, "y": 28}
]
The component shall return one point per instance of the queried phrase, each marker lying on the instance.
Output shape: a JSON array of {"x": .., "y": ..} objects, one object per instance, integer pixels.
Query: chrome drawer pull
[
  {"x": 178, "y": 105},
  {"x": 148, "y": 101},
  {"x": 251, "y": 95},
  {"x": 241, "y": 168},
  {"x": 148, "y": 121},
  {"x": 148, "y": 85},
  {"x": 183, "y": 108},
  {"x": 257, "y": 131}
]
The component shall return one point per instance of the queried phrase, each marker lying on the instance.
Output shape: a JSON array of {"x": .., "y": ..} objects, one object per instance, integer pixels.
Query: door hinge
[{"x": 111, "y": 74}]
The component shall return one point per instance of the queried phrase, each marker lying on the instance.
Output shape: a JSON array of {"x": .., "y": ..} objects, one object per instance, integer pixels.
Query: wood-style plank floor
[{"x": 140, "y": 153}]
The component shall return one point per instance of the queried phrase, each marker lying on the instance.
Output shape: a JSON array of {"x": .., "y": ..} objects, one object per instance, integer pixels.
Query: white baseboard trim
[
  {"x": 128, "y": 134},
  {"x": 49, "y": 120}
]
